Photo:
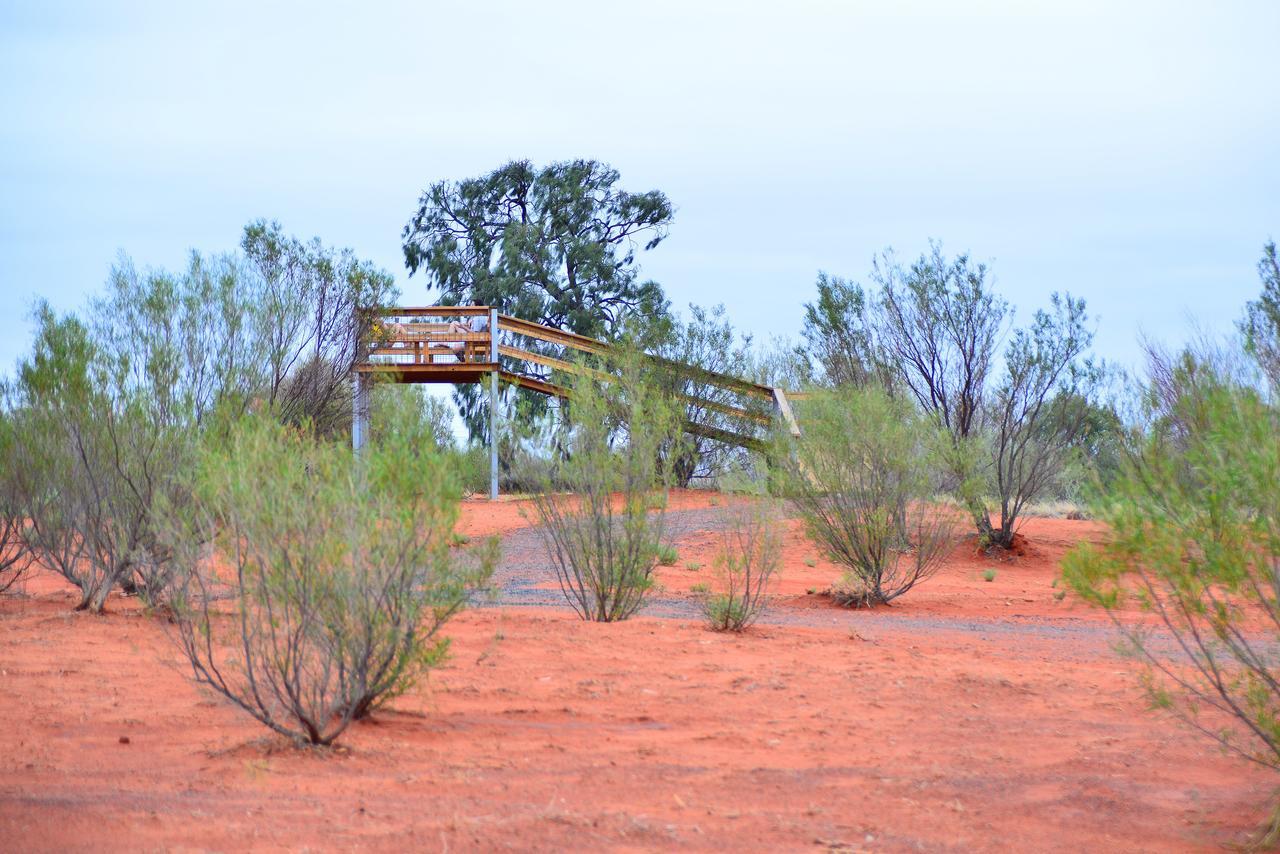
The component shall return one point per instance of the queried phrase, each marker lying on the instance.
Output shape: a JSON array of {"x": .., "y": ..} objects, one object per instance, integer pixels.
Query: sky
[{"x": 1128, "y": 153}]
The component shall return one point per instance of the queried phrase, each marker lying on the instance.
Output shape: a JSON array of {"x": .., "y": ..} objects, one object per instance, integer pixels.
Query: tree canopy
[{"x": 556, "y": 244}]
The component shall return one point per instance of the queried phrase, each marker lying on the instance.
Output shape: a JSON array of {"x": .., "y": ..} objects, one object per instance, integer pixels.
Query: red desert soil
[{"x": 896, "y": 730}]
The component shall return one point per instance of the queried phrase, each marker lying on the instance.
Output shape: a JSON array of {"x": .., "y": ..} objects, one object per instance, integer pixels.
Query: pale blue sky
[{"x": 1127, "y": 152}]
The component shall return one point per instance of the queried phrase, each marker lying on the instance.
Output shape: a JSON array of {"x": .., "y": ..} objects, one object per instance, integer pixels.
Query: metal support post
[
  {"x": 493, "y": 405},
  {"x": 360, "y": 412}
]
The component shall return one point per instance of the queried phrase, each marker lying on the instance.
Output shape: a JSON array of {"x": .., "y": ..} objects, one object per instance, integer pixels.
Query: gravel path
[{"x": 524, "y": 573}]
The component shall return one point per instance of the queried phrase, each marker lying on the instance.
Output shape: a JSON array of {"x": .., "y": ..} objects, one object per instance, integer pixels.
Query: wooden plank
[
  {"x": 696, "y": 429},
  {"x": 432, "y": 311},
  {"x": 424, "y": 369},
  {"x": 601, "y": 376},
  {"x": 552, "y": 362},
  {"x": 443, "y": 337},
  {"x": 763, "y": 392},
  {"x": 534, "y": 384},
  {"x": 599, "y": 348},
  {"x": 553, "y": 336},
  {"x": 749, "y": 442},
  {"x": 780, "y": 397}
]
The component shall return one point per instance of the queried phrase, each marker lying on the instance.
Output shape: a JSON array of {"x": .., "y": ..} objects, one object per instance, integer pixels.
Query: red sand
[{"x": 546, "y": 733}]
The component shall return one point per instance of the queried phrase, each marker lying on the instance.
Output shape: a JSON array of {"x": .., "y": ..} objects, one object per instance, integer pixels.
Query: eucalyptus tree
[
  {"x": 555, "y": 244},
  {"x": 932, "y": 332}
]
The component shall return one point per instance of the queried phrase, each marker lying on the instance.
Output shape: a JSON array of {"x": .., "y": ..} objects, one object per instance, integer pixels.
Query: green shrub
[
  {"x": 1195, "y": 540},
  {"x": 472, "y": 467},
  {"x": 95, "y": 447},
  {"x": 108, "y": 408},
  {"x": 15, "y": 552},
  {"x": 989, "y": 575},
  {"x": 860, "y": 476},
  {"x": 667, "y": 555},
  {"x": 750, "y": 551},
  {"x": 601, "y": 534},
  {"x": 312, "y": 583}
]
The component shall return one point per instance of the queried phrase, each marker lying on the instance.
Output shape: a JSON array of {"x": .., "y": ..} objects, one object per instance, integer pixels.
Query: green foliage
[
  {"x": 302, "y": 307},
  {"x": 556, "y": 245},
  {"x": 472, "y": 465},
  {"x": 1261, "y": 325},
  {"x": 1195, "y": 539},
  {"x": 1039, "y": 411},
  {"x": 706, "y": 342},
  {"x": 749, "y": 555},
  {"x": 930, "y": 333},
  {"x": 335, "y": 571},
  {"x": 601, "y": 535},
  {"x": 859, "y": 477},
  {"x": 839, "y": 335},
  {"x": 102, "y": 432},
  {"x": 989, "y": 575},
  {"x": 1100, "y": 443},
  {"x": 667, "y": 554},
  {"x": 15, "y": 552},
  {"x": 106, "y": 412},
  {"x": 940, "y": 323},
  {"x": 409, "y": 410}
]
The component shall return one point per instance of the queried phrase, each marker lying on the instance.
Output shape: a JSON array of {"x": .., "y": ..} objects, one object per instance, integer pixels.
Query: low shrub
[
  {"x": 313, "y": 584},
  {"x": 1194, "y": 517},
  {"x": 750, "y": 552},
  {"x": 15, "y": 556},
  {"x": 860, "y": 477},
  {"x": 605, "y": 533}
]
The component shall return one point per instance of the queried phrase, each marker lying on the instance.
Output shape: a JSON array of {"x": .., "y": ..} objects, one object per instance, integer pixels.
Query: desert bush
[
  {"x": 15, "y": 553},
  {"x": 931, "y": 333},
  {"x": 303, "y": 301},
  {"x": 859, "y": 477},
  {"x": 1195, "y": 540},
  {"x": 1039, "y": 412},
  {"x": 108, "y": 407},
  {"x": 750, "y": 551},
  {"x": 336, "y": 572},
  {"x": 1261, "y": 325},
  {"x": 98, "y": 443},
  {"x": 601, "y": 535},
  {"x": 685, "y": 352}
]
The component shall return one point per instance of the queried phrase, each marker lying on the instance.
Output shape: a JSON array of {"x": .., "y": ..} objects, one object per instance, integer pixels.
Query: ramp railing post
[
  {"x": 493, "y": 405},
  {"x": 360, "y": 412}
]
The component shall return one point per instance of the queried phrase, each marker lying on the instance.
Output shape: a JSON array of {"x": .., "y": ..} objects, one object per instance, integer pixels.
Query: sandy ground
[{"x": 972, "y": 715}]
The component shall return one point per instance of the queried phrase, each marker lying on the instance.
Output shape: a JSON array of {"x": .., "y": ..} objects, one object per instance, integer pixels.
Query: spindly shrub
[
  {"x": 313, "y": 584},
  {"x": 750, "y": 551},
  {"x": 860, "y": 476},
  {"x": 605, "y": 534},
  {"x": 1195, "y": 540}
]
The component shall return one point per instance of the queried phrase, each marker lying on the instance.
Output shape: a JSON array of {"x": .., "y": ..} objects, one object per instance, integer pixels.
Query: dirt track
[{"x": 973, "y": 716}]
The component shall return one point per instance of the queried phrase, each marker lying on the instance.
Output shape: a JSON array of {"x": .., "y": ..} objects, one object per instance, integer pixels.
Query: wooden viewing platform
[{"x": 421, "y": 345}]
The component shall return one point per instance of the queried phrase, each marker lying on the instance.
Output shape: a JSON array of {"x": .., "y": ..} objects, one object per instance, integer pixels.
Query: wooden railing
[{"x": 419, "y": 345}]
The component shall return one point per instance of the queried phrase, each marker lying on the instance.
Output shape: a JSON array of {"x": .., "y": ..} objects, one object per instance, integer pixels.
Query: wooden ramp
[{"x": 467, "y": 344}]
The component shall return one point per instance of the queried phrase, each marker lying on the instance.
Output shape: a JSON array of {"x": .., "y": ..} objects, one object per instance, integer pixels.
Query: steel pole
[{"x": 493, "y": 405}]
